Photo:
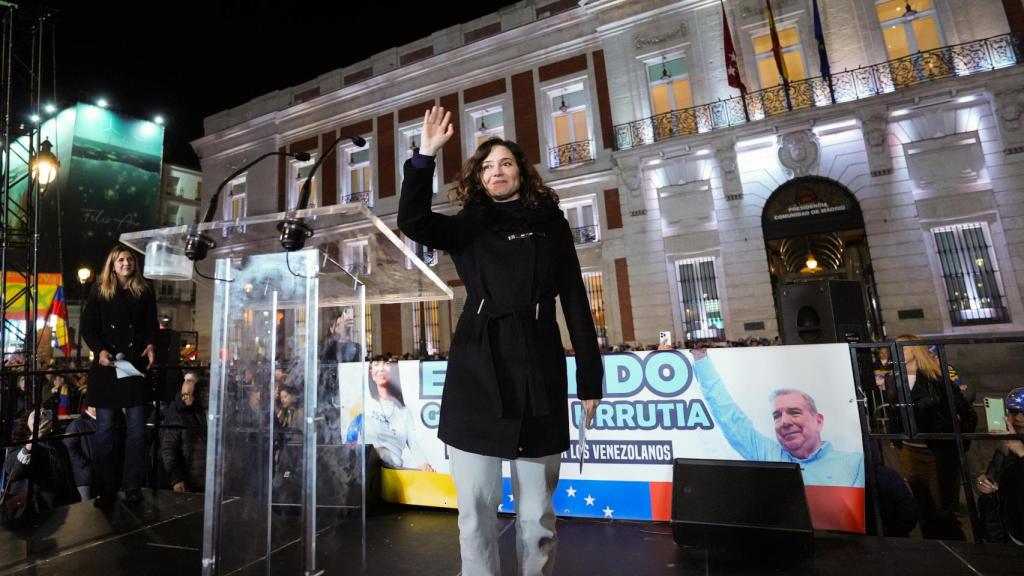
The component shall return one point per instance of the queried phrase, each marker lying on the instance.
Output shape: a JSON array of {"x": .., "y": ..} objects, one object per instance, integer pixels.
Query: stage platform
[{"x": 163, "y": 536}]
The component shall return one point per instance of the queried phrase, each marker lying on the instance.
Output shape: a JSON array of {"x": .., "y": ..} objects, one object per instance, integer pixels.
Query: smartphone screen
[{"x": 995, "y": 414}]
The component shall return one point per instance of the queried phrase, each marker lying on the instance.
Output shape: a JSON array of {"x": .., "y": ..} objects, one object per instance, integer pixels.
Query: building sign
[{"x": 810, "y": 205}]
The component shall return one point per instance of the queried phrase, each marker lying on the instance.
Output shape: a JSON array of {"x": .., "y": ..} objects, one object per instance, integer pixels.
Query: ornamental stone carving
[
  {"x": 647, "y": 41},
  {"x": 628, "y": 172},
  {"x": 1008, "y": 106},
  {"x": 798, "y": 152},
  {"x": 725, "y": 156},
  {"x": 875, "y": 131}
]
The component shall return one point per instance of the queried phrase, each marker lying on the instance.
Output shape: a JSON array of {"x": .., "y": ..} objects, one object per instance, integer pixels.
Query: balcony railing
[
  {"x": 586, "y": 234},
  {"x": 363, "y": 197},
  {"x": 948, "y": 62},
  {"x": 571, "y": 153}
]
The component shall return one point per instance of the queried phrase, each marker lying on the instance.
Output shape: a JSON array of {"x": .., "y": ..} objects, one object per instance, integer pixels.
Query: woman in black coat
[
  {"x": 506, "y": 391},
  {"x": 119, "y": 322}
]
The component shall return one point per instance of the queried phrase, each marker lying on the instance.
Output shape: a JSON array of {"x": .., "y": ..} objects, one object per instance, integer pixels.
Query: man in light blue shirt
[{"x": 798, "y": 427}]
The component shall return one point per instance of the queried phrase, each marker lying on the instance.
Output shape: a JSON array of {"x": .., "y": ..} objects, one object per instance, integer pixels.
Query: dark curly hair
[{"x": 469, "y": 189}]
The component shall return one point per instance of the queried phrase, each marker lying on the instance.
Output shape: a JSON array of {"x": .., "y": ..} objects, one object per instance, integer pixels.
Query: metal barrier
[{"x": 869, "y": 401}]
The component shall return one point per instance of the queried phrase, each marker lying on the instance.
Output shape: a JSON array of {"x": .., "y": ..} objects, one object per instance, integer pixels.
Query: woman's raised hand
[{"x": 437, "y": 130}]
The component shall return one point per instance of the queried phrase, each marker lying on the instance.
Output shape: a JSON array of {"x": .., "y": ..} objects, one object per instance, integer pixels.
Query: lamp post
[
  {"x": 84, "y": 274},
  {"x": 44, "y": 165}
]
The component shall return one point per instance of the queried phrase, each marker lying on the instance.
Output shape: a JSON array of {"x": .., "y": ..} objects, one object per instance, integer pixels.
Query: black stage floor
[{"x": 163, "y": 535}]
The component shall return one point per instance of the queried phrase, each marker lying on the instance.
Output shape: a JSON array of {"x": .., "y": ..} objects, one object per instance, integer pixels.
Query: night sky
[{"x": 187, "y": 60}]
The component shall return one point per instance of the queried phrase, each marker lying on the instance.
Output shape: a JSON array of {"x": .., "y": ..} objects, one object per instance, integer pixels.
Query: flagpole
[{"x": 733, "y": 73}]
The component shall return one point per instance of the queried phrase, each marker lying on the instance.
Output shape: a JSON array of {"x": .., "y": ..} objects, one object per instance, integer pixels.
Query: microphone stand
[
  {"x": 196, "y": 244},
  {"x": 294, "y": 231}
]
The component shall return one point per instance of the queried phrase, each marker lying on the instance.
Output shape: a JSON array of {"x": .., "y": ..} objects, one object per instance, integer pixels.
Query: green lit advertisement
[{"x": 110, "y": 185}]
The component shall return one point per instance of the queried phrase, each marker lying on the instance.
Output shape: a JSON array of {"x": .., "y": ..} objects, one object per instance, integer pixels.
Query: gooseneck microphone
[
  {"x": 196, "y": 244},
  {"x": 295, "y": 232}
]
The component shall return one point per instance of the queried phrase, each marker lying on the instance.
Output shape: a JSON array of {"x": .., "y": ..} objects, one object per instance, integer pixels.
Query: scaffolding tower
[{"x": 25, "y": 48}]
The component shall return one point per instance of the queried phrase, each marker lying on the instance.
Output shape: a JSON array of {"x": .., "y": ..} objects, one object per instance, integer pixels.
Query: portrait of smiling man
[{"x": 798, "y": 427}]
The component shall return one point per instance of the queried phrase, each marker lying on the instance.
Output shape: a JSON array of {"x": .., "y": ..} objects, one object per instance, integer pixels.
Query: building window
[
  {"x": 669, "y": 84},
  {"x": 356, "y": 175},
  {"x": 905, "y": 35},
  {"x": 299, "y": 172},
  {"x": 234, "y": 202},
  {"x": 699, "y": 302},
  {"x": 595, "y": 293},
  {"x": 582, "y": 220},
  {"x": 355, "y": 254},
  {"x": 429, "y": 256},
  {"x": 570, "y": 126},
  {"x": 487, "y": 123},
  {"x": 426, "y": 327},
  {"x": 410, "y": 140},
  {"x": 974, "y": 294},
  {"x": 792, "y": 55}
]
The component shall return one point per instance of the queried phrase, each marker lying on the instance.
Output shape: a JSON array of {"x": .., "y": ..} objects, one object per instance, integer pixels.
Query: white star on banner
[
  {"x": 607, "y": 512},
  {"x": 571, "y": 492},
  {"x": 501, "y": 507},
  {"x": 511, "y": 498},
  {"x": 590, "y": 500}
]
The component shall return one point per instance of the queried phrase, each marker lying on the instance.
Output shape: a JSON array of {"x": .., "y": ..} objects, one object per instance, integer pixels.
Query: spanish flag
[{"x": 776, "y": 45}]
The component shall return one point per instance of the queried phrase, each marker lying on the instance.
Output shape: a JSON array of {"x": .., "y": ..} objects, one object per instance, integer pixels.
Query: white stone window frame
[
  {"x": 998, "y": 253},
  {"x": 295, "y": 185},
  {"x": 674, "y": 261},
  {"x": 577, "y": 202},
  {"x": 471, "y": 121},
  {"x": 908, "y": 28},
  {"x": 791, "y": 21},
  {"x": 433, "y": 256},
  {"x": 356, "y": 255},
  {"x": 549, "y": 111},
  {"x": 345, "y": 168},
  {"x": 673, "y": 53},
  {"x": 229, "y": 200},
  {"x": 406, "y": 133}
]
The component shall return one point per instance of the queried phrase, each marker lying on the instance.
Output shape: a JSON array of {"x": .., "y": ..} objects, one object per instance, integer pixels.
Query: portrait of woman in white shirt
[{"x": 389, "y": 424}]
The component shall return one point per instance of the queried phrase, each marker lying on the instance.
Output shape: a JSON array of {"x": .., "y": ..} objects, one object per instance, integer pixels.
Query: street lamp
[
  {"x": 84, "y": 274},
  {"x": 44, "y": 165}
]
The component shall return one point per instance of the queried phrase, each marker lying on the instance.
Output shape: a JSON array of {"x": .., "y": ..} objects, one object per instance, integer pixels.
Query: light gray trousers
[{"x": 478, "y": 485}]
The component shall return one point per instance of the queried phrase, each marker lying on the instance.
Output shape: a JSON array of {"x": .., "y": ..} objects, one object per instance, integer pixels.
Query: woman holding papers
[
  {"x": 506, "y": 391},
  {"x": 119, "y": 323}
]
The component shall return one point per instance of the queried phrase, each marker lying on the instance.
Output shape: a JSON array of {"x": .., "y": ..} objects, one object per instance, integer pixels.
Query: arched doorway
[{"x": 822, "y": 279}]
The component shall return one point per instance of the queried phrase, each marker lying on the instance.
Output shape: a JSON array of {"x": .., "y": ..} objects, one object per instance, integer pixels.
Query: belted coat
[
  {"x": 123, "y": 324},
  {"x": 506, "y": 388}
]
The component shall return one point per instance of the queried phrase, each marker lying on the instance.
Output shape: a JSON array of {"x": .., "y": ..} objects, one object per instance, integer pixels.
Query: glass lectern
[{"x": 285, "y": 454}]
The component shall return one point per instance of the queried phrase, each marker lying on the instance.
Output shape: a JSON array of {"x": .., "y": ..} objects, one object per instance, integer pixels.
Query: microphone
[
  {"x": 196, "y": 244},
  {"x": 294, "y": 231}
]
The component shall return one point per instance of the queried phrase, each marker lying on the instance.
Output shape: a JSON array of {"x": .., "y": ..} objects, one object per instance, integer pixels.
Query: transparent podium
[{"x": 285, "y": 454}]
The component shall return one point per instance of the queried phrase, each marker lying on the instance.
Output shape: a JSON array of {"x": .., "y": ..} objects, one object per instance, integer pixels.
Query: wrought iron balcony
[
  {"x": 586, "y": 234},
  {"x": 846, "y": 86},
  {"x": 571, "y": 153},
  {"x": 363, "y": 197}
]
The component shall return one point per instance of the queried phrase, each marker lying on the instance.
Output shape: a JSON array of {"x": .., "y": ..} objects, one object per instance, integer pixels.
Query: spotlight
[
  {"x": 158, "y": 119},
  {"x": 102, "y": 103}
]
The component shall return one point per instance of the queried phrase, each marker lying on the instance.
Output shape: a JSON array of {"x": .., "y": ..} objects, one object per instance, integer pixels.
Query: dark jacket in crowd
[
  {"x": 1002, "y": 512},
  {"x": 50, "y": 471},
  {"x": 931, "y": 408},
  {"x": 505, "y": 392},
  {"x": 125, "y": 324},
  {"x": 334, "y": 350},
  {"x": 183, "y": 446},
  {"x": 80, "y": 448}
]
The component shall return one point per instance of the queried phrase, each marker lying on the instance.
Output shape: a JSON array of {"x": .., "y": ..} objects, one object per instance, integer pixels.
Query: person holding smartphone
[
  {"x": 340, "y": 344},
  {"x": 44, "y": 462},
  {"x": 1002, "y": 485}
]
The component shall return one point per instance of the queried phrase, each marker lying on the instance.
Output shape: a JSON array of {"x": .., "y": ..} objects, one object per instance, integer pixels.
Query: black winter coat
[
  {"x": 183, "y": 446},
  {"x": 123, "y": 324},
  {"x": 506, "y": 392},
  {"x": 80, "y": 448}
]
